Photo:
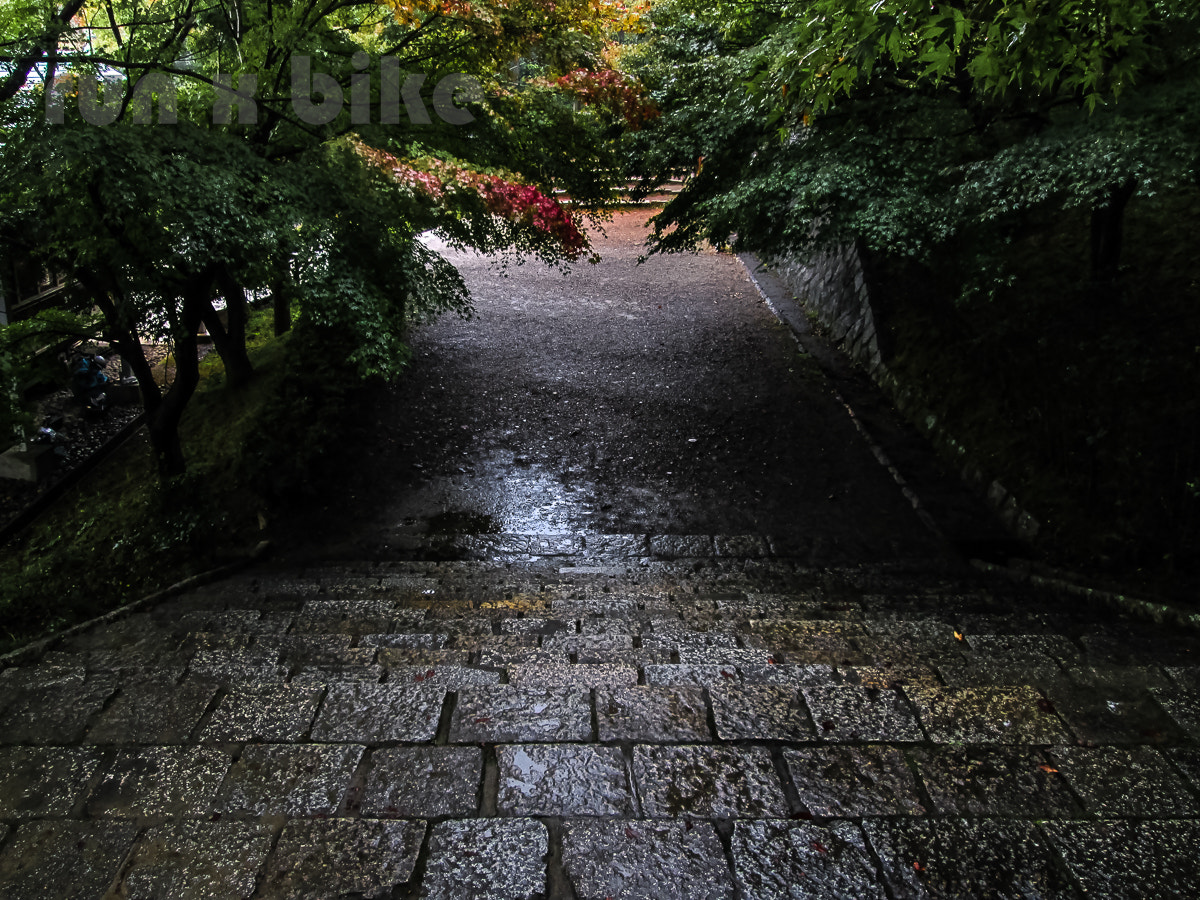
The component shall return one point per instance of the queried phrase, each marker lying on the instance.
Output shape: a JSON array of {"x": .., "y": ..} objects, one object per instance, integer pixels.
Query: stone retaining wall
[{"x": 833, "y": 288}]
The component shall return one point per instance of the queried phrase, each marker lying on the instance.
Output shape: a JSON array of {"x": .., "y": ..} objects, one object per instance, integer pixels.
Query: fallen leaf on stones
[
  {"x": 958, "y": 636},
  {"x": 1048, "y": 769}
]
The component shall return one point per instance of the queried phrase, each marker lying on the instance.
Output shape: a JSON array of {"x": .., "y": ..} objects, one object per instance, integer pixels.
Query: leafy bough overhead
[
  {"x": 915, "y": 127},
  {"x": 253, "y": 196}
]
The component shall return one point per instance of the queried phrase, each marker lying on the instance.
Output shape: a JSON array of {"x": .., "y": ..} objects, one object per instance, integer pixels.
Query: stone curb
[
  {"x": 876, "y": 449},
  {"x": 36, "y": 648},
  {"x": 1058, "y": 580},
  {"x": 1016, "y": 519}
]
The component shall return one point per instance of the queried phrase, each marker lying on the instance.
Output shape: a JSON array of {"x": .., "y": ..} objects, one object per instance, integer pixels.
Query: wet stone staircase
[{"x": 552, "y": 720}]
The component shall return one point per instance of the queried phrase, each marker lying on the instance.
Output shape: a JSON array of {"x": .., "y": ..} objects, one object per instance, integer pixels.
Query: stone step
[{"x": 572, "y": 727}]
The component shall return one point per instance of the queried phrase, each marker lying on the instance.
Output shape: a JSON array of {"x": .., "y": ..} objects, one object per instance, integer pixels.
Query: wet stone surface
[
  {"x": 160, "y": 781},
  {"x": 285, "y": 779},
  {"x": 512, "y": 713},
  {"x": 1186, "y": 677},
  {"x": 961, "y": 858},
  {"x": 673, "y": 635},
  {"x": 708, "y": 782},
  {"x": 315, "y": 860},
  {"x": 197, "y": 861},
  {"x": 891, "y": 676},
  {"x": 494, "y": 657},
  {"x": 669, "y": 546},
  {"x": 858, "y": 713},
  {"x": 1187, "y": 760},
  {"x": 426, "y": 659},
  {"x": 1018, "y": 715},
  {"x": 1108, "y": 715},
  {"x": 450, "y": 678},
  {"x": 779, "y": 860},
  {"x": 987, "y": 671},
  {"x": 726, "y": 656},
  {"x": 982, "y": 781},
  {"x": 264, "y": 712},
  {"x": 576, "y": 676},
  {"x": 760, "y": 712},
  {"x": 643, "y": 860},
  {"x": 783, "y": 673},
  {"x": 1117, "y": 781},
  {"x": 63, "y": 859},
  {"x": 1151, "y": 860},
  {"x": 18, "y": 679},
  {"x": 404, "y": 641},
  {"x": 153, "y": 713},
  {"x": 378, "y": 713},
  {"x": 588, "y": 643},
  {"x": 423, "y": 782},
  {"x": 487, "y": 859},
  {"x": 1024, "y": 646},
  {"x": 652, "y": 714},
  {"x": 222, "y": 666},
  {"x": 55, "y": 714},
  {"x": 45, "y": 781},
  {"x": 613, "y": 692},
  {"x": 701, "y": 675},
  {"x": 318, "y": 676},
  {"x": 563, "y": 780},
  {"x": 840, "y": 782},
  {"x": 1183, "y": 708},
  {"x": 832, "y": 639},
  {"x": 345, "y": 616}
]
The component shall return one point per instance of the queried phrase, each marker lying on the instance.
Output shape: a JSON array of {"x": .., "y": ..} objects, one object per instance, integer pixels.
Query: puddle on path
[{"x": 498, "y": 497}]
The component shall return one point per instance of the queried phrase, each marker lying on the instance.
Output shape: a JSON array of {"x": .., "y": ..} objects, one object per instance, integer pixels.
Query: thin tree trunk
[
  {"x": 230, "y": 338},
  {"x": 128, "y": 342},
  {"x": 1108, "y": 232},
  {"x": 281, "y": 301},
  {"x": 164, "y": 424}
]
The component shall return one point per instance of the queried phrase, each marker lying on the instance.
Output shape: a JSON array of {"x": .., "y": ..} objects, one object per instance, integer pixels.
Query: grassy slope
[{"x": 121, "y": 535}]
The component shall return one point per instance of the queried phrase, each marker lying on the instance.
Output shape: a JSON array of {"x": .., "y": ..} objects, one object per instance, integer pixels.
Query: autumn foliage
[
  {"x": 523, "y": 204},
  {"x": 613, "y": 91}
]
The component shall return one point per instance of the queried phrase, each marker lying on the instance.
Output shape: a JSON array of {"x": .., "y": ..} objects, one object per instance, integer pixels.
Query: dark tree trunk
[
  {"x": 230, "y": 337},
  {"x": 281, "y": 301},
  {"x": 125, "y": 336},
  {"x": 1108, "y": 232},
  {"x": 163, "y": 425}
]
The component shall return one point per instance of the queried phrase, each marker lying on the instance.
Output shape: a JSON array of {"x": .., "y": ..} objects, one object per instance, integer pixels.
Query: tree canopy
[
  {"x": 177, "y": 155},
  {"x": 914, "y": 127}
]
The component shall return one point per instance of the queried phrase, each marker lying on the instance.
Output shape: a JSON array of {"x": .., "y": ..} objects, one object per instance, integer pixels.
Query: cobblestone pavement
[{"x": 648, "y": 724}]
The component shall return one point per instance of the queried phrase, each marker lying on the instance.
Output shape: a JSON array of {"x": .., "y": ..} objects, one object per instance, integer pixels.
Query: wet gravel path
[{"x": 660, "y": 398}]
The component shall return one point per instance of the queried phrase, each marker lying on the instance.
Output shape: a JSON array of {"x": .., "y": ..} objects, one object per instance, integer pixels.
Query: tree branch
[{"x": 49, "y": 38}]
